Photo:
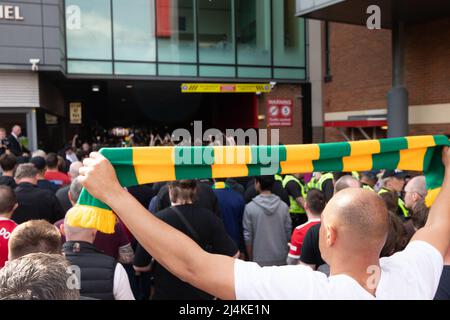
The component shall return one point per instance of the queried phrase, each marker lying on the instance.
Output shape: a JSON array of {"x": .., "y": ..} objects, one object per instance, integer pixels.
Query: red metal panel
[
  {"x": 163, "y": 21},
  {"x": 356, "y": 124}
]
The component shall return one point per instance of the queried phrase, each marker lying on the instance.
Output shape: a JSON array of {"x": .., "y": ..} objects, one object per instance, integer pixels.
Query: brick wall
[
  {"x": 293, "y": 135},
  {"x": 428, "y": 63},
  {"x": 361, "y": 69},
  {"x": 424, "y": 129},
  {"x": 360, "y": 62}
]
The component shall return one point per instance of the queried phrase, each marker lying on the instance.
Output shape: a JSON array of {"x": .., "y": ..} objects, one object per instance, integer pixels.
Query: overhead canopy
[{"x": 355, "y": 11}]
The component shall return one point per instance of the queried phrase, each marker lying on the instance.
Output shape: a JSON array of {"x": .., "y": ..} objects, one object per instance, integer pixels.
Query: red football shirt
[
  {"x": 297, "y": 238},
  {"x": 6, "y": 227},
  {"x": 58, "y": 178}
]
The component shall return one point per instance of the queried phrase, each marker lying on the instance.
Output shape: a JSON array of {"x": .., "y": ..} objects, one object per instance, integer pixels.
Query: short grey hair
[
  {"x": 37, "y": 276},
  {"x": 27, "y": 170},
  {"x": 75, "y": 189},
  {"x": 39, "y": 153},
  {"x": 345, "y": 182}
]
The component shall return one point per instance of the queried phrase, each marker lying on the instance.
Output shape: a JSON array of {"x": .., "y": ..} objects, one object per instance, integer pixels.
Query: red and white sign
[{"x": 280, "y": 113}]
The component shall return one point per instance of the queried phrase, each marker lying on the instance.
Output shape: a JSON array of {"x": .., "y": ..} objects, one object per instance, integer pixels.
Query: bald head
[
  {"x": 74, "y": 170},
  {"x": 415, "y": 191},
  {"x": 78, "y": 234},
  {"x": 417, "y": 184},
  {"x": 346, "y": 182},
  {"x": 358, "y": 221},
  {"x": 17, "y": 130}
]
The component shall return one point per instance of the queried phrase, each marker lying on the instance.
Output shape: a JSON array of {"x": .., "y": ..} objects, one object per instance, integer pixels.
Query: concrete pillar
[
  {"x": 316, "y": 78},
  {"x": 398, "y": 97}
]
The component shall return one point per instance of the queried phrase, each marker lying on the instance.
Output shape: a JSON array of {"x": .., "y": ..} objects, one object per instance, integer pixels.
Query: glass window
[
  {"x": 289, "y": 35},
  {"x": 89, "y": 67},
  {"x": 216, "y": 31},
  {"x": 176, "y": 31},
  {"x": 290, "y": 73},
  {"x": 245, "y": 72},
  {"x": 134, "y": 30},
  {"x": 89, "y": 29},
  {"x": 253, "y": 32},
  {"x": 212, "y": 71},
  {"x": 136, "y": 69},
  {"x": 177, "y": 70}
]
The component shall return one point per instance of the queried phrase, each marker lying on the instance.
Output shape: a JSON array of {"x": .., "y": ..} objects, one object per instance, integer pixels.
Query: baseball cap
[
  {"x": 372, "y": 175},
  {"x": 395, "y": 174}
]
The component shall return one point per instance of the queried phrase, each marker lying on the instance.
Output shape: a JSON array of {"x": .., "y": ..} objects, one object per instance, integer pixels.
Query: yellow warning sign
[{"x": 224, "y": 88}]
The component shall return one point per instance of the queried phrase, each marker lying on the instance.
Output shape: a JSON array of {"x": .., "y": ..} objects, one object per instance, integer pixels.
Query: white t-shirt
[
  {"x": 122, "y": 289},
  {"x": 411, "y": 274}
]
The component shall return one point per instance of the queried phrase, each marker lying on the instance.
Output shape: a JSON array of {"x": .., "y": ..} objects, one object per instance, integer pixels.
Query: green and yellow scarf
[{"x": 137, "y": 166}]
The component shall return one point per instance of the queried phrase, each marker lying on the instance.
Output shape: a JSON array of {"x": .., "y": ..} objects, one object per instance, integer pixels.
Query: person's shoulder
[
  {"x": 251, "y": 206},
  {"x": 292, "y": 183},
  {"x": 165, "y": 213},
  {"x": 303, "y": 227},
  {"x": 63, "y": 190},
  {"x": 45, "y": 192},
  {"x": 203, "y": 212},
  {"x": 313, "y": 232},
  {"x": 296, "y": 233},
  {"x": 8, "y": 224},
  {"x": 282, "y": 203},
  {"x": 417, "y": 255},
  {"x": 280, "y": 283}
]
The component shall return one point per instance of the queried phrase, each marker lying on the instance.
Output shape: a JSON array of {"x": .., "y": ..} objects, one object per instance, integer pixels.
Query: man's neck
[
  {"x": 8, "y": 174},
  {"x": 5, "y": 216},
  {"x": 52, "y": 169},
  {"x": 447, "y": 258},
  {"x": 364, "y": 269},
  {"x": 40, "y": 176},
  {"x": 312, "y": 217},
  {"x": 265, "y": 193}
]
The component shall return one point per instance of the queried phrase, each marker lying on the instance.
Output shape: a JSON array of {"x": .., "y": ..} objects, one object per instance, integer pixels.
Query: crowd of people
[{"x": 320, "y": 226}]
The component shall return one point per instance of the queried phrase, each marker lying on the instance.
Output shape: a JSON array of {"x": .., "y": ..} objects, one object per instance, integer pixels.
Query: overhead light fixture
[
  {"x": 384, "y": 128},
  {"x": 129, "y": 86},
  {"x": 96, "y": 88}
]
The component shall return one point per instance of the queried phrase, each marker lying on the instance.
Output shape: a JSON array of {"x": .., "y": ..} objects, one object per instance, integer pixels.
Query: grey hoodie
[{"x": 267, "y": 227}]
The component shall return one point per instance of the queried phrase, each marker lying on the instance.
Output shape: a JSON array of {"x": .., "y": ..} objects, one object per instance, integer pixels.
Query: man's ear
[
  {"x": 331, "y": 236},
  {"x": 61, "y": 229},
  {"x": 305, "y": 205},
  {"x": 71, "y": 198},
  {"x": 416, "y": 196}
]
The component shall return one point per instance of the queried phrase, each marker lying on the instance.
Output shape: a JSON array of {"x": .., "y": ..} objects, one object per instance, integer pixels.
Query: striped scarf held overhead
[{"x": 137, "y": 166}]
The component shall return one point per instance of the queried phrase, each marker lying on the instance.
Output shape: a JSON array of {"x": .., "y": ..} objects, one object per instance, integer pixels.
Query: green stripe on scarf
[
  {"x": 198, "y": 162},
  {"x": 261, "y": 160},
  {"x": 331, "y": 155}
]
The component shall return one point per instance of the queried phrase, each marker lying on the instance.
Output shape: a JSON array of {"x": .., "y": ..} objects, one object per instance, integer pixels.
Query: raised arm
[
  {"x": 74, "y": 142},
  {"x": 437, "y": 230},
  {"x": 171, "y": 248}
]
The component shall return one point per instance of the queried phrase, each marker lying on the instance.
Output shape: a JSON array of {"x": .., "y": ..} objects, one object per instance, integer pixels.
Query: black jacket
[
  {"x": 35, "y": 203},
  {"x": 14, "y": 146},
  {"x": 63, "y": 198},
  {"x": 8, "y": 181},
  {"x": 96, "y": 269}
]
